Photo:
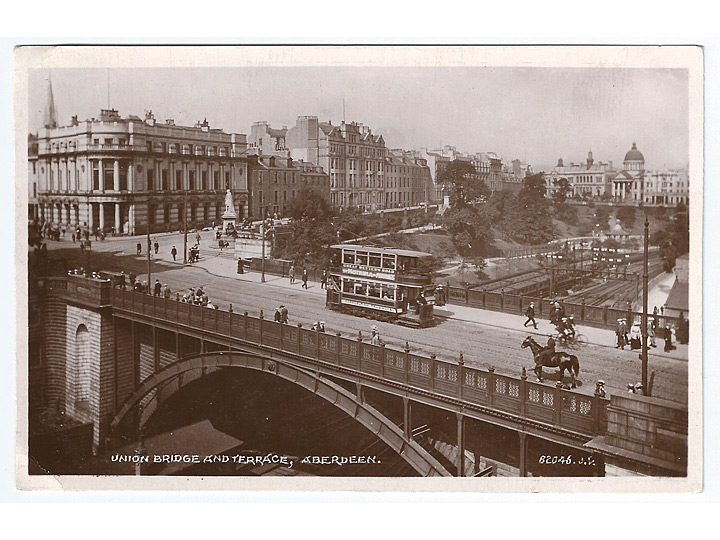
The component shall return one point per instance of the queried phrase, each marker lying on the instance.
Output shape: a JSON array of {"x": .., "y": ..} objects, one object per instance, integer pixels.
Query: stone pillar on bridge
[
  {"x": 460, "y": 444},
  {"x": 523, "y": 453}
]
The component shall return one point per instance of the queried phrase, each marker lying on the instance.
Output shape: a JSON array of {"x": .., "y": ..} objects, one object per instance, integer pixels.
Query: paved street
[{"x": 485, "y": 338}]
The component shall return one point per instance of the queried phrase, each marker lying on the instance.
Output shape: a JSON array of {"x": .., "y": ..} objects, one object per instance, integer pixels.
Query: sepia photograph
[{"x": 451, "y": 268}]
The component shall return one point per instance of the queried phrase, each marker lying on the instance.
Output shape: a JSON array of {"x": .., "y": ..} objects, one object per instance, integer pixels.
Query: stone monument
[{"x": 229, "y": 216}]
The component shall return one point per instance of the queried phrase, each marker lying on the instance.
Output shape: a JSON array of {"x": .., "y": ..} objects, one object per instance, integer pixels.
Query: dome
[{"x": 634, "y": 154}]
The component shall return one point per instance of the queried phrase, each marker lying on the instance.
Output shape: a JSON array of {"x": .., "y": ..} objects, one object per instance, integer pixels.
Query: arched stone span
[{"x": 414, "y": 454}]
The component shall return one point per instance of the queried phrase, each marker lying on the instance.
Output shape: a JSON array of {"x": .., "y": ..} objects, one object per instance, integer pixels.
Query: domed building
[
  {"x": 636, "y": 185},
  {"x": 628, "y": 183},
  {"x": 634, "y": 160}
]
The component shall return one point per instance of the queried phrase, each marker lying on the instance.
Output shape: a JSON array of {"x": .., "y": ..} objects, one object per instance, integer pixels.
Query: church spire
[{"x": 50, "y": 115}]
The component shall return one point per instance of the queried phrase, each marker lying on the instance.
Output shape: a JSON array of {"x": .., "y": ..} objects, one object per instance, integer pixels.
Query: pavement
[{"x": 225, "y": 265}]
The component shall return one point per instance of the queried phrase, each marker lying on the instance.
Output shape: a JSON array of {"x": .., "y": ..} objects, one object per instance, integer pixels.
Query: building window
[
  {"x": 152, "y": 210},
  {"x": 192, "y": 180},
  {"x": 166, "y": 213},
  {"x": 178, "y": 180},
  {"x": 165, "y": 180},
  {"x": 204, "y": 180},
  {"x": 150, "y": 180},
  {"x": 216, "y": 180}
]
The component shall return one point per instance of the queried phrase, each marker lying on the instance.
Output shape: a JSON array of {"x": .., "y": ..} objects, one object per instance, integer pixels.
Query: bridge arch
[{"x": 411, "y": 451}]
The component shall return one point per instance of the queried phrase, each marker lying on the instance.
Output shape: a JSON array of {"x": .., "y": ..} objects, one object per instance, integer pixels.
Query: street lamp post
[
  {"x": 185, "y": 226},
  {"x": 148, "y": 248},
  {"x": 262, "y": 262},
  {"x": 644, "y": 354}
]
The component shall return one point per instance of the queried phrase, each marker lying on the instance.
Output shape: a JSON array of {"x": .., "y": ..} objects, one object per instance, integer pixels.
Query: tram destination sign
[
  {"x": 370, "y": 305},
  {"x": 368, "y": 271}
]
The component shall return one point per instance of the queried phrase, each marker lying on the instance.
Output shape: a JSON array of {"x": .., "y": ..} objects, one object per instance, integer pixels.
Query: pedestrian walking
[
  {"x": 651, "y": 332},
  {"x": 173, "y": 252},
  {"x": 305, "y": 278},
  {"x": 73, "y": 237},
  {"x": 600, "y": 389},
  {"x": 166, "y": 291},
  {"x": 668, "y": 340},
  {"x": 530, "y": 314},
  {"x": 323, "y": 279},
  {"x": 283, "y": 315},
  {"x": 621, "y": 332},
  {"x": 197, "y": 237},
  {"x": 278, "y": 315},
  {"x": 156, "y": 246},
  {"x": 122, "y": 280},
  {"x": 291, "y": 273},
  {"x": 158, "y": 287},
  {"x": 138, "y": 248}
]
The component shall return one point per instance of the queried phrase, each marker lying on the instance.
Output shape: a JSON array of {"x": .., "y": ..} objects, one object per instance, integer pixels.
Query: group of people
[
  {"x": 632, "y": 337},
  {"x": 565, "y": 325},
  {"x": 194, "y": 253},
  {"x": 291, "y": 275},
  {"x": 197, "y": 297},
  {"x": 281, "y": 315}
]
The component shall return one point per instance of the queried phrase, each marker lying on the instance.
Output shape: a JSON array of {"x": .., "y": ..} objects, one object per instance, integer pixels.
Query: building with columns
[
  {"x": 128, "y": 174},
  {"x": 588, "y": 179},
  {"x": 636, "y": 185}
]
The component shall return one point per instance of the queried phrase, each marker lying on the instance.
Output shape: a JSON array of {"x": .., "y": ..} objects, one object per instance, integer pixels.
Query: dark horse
[{"x": 558, "y": 359}]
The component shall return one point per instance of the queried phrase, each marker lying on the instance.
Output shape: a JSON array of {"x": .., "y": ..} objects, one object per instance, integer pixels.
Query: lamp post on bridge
[{"x": 644, "y": 353}]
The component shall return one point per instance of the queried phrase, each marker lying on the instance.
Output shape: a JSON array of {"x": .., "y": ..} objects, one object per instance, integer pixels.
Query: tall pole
[
  {"x": 185, "y": 225},
  {"x": 148, "y": 247},
  {"x": 644, "y": 354},
  {"x": 262, "y": 262}
]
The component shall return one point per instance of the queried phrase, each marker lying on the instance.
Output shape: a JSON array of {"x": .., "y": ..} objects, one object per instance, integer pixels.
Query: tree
[
  {"x": 561, "y": 192},
  {"x": 465, "y": 184},
  {"x": 626, "y": 215},
  {"x": 310, "y": 229},
  {"x": 469, "y": 229},
  {"x": 309, "y": 205}
]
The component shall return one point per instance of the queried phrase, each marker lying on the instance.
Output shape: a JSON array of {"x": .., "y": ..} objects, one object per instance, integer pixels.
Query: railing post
[
  {"x": 522, "y": 303},
  {"x": 359, "y": 350},
  {"x": 461, "y": 376},
  {"x": 177, "y": 307},
  {"x": 337, "y": 348},
  {"x": 282, "y": 336},
  {"x": 558, "y": 404},
  {"x": 523, "y": 390},
  {"x": 491, "y": 384},
  {"x": 582, "y": 309},
  {"x": 317, "y": 343},
  {"x": 407, "y": 362},
  {"x": 165, "y": 301},
  {"x": 502, "y": 299},
  {"x": 596, "y": 415},
  {"x": 299, "y": 340},
  {"x": 383, "y": 354},
  {"x": 467, "y": 296},
  {"x": 433, "y": 367},
  {"x": 483, "y": 298},
  {"x": 245, "y": 326},
  {"x": 261, "y": 320},
  {"x": 605, "y": 314}
]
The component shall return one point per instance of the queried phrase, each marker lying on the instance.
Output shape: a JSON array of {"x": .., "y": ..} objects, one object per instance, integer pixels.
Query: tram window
[
  {"x": 347, "y": 286},
  {"x": 388, "y": 261},
  {"x": 375, "y": 260},
  {"x": 374, "y": 291},
  {"x": 361, "y": 258},
  {"x": 349, "y": 257}
]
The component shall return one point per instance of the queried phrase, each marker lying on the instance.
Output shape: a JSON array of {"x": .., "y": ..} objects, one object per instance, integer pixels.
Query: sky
[{"x": 533, "y": 114}]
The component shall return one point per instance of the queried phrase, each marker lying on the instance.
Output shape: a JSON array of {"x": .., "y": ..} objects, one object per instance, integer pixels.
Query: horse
[{"x": 559, "y": 359}]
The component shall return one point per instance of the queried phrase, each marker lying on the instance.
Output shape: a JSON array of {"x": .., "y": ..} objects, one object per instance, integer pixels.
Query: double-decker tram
[{"x": 383, "y": 283}]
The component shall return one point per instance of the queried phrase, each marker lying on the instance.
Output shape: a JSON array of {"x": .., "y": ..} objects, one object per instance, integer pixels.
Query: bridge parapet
[
  {"x": 87, "y": 291},
  {"x": 468, "y": 386}
]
